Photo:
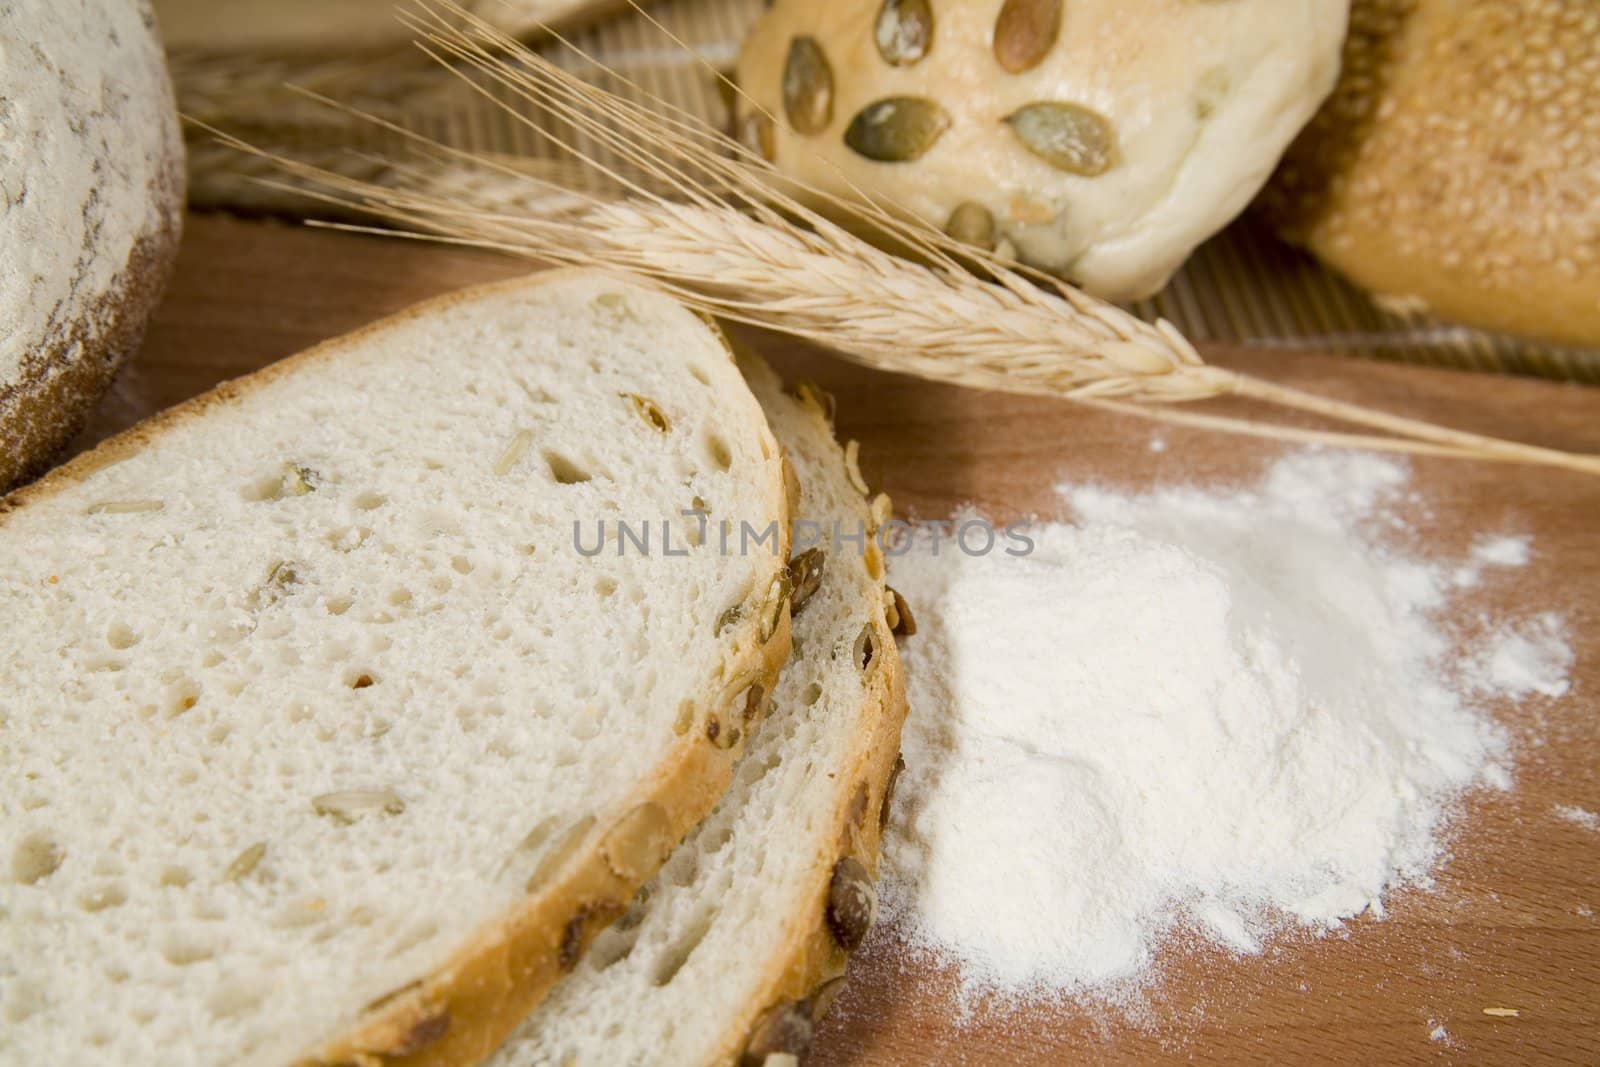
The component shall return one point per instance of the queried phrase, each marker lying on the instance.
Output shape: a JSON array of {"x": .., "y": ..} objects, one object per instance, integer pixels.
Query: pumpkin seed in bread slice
[
  {"x": 738, "y": 944},
  {"x": 326, "y": 736}
]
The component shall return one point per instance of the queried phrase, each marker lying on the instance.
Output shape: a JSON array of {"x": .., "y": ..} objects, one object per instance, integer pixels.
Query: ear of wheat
[{"x": 648, "y": 189}]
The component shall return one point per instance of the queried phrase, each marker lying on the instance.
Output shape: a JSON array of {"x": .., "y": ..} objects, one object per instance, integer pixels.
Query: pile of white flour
[{"x": 1210, "y": 713}]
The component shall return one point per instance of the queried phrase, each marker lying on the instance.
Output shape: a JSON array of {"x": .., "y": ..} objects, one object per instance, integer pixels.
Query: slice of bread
[
  {"x": 322, "y": 736},
  {"x": 739, "y": 944}
]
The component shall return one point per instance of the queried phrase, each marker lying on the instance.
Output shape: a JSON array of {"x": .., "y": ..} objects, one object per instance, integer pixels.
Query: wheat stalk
[
  {"x": 227, "y": 88},
  {"x": 219, "y": 174},
  {"x": 709, "y": 221}
]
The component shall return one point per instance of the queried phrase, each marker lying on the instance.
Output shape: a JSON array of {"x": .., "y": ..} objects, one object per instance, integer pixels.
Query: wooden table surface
[{"x": 1514, "y": 920}]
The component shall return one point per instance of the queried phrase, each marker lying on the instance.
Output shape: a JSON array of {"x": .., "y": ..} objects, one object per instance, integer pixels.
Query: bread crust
[
  {"x": 58, "y": 384},
  {"x": 42, "y": 412},
  {"x": 464, "y": 1010}
]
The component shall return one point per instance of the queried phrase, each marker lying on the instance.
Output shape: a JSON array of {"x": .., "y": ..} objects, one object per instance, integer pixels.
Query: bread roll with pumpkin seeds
[
  {"x": 1101, "y": 140},
  {"x": 1456, "y": 167}
]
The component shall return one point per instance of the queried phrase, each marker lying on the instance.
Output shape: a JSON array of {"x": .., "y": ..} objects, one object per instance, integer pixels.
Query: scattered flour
[
  {"x": 1525, "y": 658},
  {"x": 1502, "y": 551},
  {"x": 1196, "y": 713},
  {"x": 1492, "y": 552},
  {"x": 1587, "y": 820}
]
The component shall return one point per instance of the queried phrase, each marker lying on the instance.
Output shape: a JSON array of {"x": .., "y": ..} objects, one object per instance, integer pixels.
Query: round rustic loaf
[
  {"x": 1456, "y": 168},
  {"x": 1101, "y": 139},
  {"x": 91, "y": 187}
]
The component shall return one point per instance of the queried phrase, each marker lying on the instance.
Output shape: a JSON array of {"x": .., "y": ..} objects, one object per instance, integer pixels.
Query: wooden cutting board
[{"x": 1514, "y": 921}]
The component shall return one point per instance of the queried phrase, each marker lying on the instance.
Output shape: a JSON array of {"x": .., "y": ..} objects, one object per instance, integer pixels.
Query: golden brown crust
[
  {"x": 1456, "y": 168},
  {"x": 57, "y": 387},
  {"x": 462, "y": 1012}
]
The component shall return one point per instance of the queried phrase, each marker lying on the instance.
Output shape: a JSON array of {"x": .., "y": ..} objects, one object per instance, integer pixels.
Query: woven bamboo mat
[{"x": 1244, "y": 286}]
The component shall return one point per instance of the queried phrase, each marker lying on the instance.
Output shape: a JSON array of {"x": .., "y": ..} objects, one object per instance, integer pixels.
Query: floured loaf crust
[{"x": 91, "y": 203}]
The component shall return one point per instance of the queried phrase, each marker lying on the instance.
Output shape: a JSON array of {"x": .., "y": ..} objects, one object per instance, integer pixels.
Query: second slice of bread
[
  {"x": 322, "y": 735},
  {"x": 737, "y": 947}
]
